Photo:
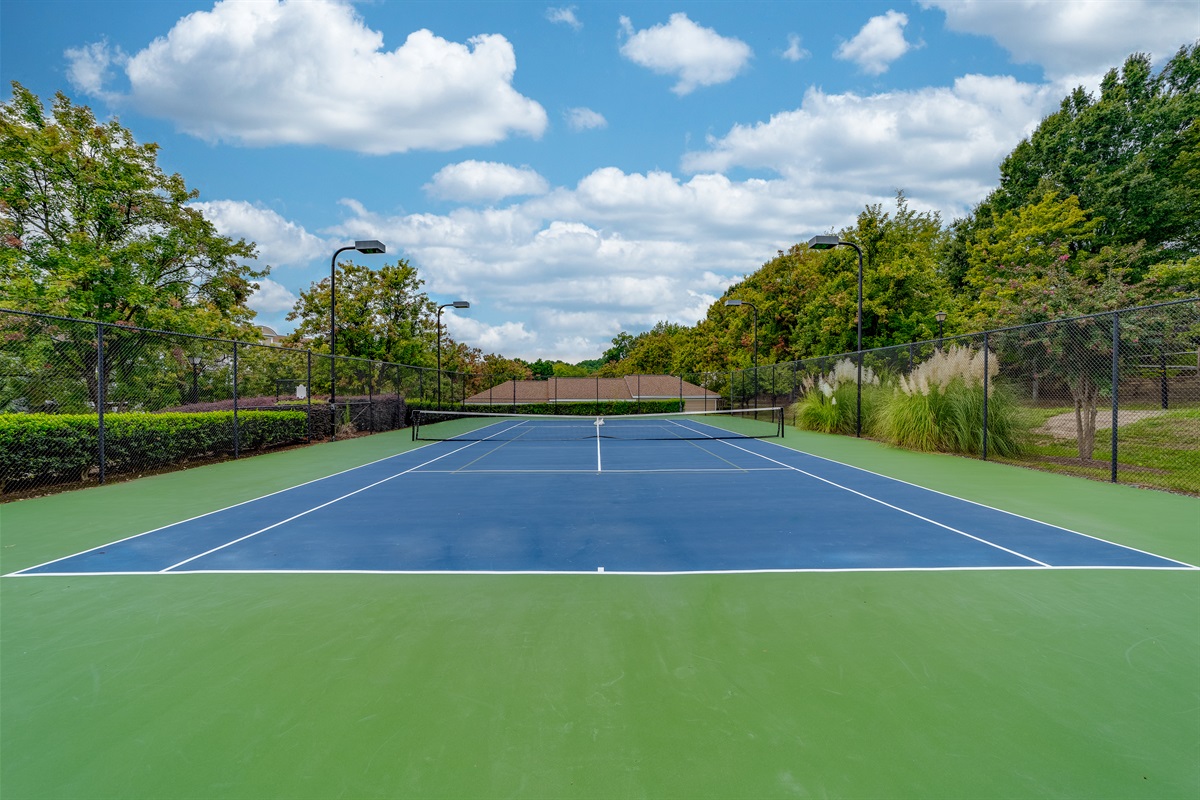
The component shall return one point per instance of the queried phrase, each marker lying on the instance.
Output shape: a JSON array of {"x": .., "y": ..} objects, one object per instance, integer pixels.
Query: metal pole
[
  {"x": 308, "y": 395},
  {"x": 985, "y": 395},
  {"x": 333, "y": 333},
  {"x": 1165, "y": 392},
  {"x": 1116, "y": 374},
  {"x": 858, "y": 413},
  {"x": 236, "y": 444},
  {"x": 100, "y": 398},
  {"x": 439, "y": 358}
]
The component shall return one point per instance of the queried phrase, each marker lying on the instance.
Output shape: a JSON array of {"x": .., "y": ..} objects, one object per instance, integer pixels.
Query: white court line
[
  {"x": 219, "y": 510},
  {"x": 893, "y": 507},
  {"x": 610, "y": 571},
  {"x": 1183, "y": 564},
  {"x": 314, "y": 508}
]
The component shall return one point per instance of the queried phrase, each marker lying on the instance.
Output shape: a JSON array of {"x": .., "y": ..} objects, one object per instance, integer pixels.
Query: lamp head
[
  {"x": 823, "y": 242},
  {"x": 370, "y": 246},
  {"x": 940, "y": 316},
  {"x": 461, "y": 304},
  {"x": 733, "y": 302}
]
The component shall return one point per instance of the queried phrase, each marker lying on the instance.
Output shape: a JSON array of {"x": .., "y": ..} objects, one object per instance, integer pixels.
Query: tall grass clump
[
  {"x": 830, "y": 400},
  {"x": 939, "y": 406}
]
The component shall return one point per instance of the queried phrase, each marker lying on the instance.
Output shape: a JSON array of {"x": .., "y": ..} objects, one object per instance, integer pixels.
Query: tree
[
  {"x": 1130, "y": 156},
  {"x": 382, "y": 315},
  {"x": 91, "y": 227}
]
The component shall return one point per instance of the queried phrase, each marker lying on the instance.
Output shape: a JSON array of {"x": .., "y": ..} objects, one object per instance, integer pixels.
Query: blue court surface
[{"x": 592, "y": 505}]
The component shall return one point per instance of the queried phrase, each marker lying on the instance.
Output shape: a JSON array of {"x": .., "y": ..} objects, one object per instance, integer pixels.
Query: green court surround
[{"x": 1055, "y": 683}]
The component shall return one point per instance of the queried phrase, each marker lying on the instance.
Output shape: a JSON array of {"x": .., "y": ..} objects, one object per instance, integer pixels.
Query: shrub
[
  {"x": 54, "y": 447},
  {"x": 831, "y": 400},
  {"x": 939, "y": 406}
]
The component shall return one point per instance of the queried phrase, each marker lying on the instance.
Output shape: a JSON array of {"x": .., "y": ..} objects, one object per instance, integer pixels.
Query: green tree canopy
[
  {"x": 382, "y": 315},
  {"x": 91, "y": 227},
  {"x": 1130, "y": 156}
]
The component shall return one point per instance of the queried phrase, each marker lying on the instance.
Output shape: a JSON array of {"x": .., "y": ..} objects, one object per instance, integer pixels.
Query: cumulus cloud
[
  {"x": 473, "y": 181},
  {"x": 583, "y": 119},
  {"x": 90, "y": 67},
  {"x": 311, "y": 72},
  {"x": 564, "y": 16},
  {"x": 281, "y": 242},
  {"x": 794, "y": 51},
  {"x": 879, "y": 43},
  {"x": 272, "y": 298},
  {"x": 1074, "y": 38},
  {"x": 698, "y": 56},
  {"x": 940, "y": 145}
]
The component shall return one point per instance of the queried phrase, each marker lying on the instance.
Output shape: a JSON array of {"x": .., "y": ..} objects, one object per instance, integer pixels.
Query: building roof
[{"x": 582, "y": 390}]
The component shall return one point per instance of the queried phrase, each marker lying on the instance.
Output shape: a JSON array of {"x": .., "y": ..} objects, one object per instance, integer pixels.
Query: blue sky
[{"x": 572, "y": 170}]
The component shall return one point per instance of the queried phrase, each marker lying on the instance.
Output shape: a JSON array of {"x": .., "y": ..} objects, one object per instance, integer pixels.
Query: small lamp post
[
  {"x": 941, "y": 318},
  {"x": 455, "y": 304},
  {"x": 195, "y": 361},
  {"x": 826, "y": 243}
]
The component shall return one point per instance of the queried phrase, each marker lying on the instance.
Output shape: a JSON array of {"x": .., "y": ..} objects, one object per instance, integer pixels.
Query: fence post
[
  {"x": 1162, "y": 363},
  {"x": 985, "y": 395},
  {"x": 308, "y": 396},
  {"x": 1116, "y": 374},
  {"x": 236, "y": 444},
  {"x": 100, "y": 379}
]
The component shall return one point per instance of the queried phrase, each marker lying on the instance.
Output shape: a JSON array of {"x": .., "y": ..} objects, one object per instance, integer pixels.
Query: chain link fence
[{"x": 1114, "y": 396}]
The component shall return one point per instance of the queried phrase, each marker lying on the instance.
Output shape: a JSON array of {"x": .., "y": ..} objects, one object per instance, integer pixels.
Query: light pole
[
  {"x": 755, "y": 361},
  {"x": 362, "y": 246},
  {"x": 826, "y": 243},
  {"x": 940, "y": 317},
  {"x": 455, "y": 304},
  {"x": 195, "y": 361}
]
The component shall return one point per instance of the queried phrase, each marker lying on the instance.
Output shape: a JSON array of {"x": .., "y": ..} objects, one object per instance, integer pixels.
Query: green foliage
[
  {"x": 382, "y": 314},
  {"x": 91, "y": 227},
  {"x": 1130, "y": 156},
  {"x": 63, "y": 446}
]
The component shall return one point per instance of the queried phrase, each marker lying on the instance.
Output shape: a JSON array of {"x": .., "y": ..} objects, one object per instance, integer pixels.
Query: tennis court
[
  {"x": 805, "y": 616},
  {"x": 641, "y": 495}
]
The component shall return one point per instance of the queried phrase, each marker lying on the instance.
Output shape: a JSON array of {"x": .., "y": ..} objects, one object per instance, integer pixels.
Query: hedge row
[{"x": 55, "y": 447}]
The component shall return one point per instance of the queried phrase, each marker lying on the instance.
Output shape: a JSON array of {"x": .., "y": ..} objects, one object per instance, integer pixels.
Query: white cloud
[
  {"x": 698, "y": 56},
  {"x": 879, "y": 43},
  {"x": 311, "y": 72},
  {"x": 794, "y": 51},
  {"x": 89, "y": 67},
  {"x": 272, "y": 298},
  {"x": 582, "y": 119},
  {"x": 565, "y": 16},
  {"x": 940, "y": 145},
  {"x": 1074, "y": 38},
  {"x": 505, "y": 338},
  {"x": 280, "y": 242},
  {"x": 472, "y": 181}
]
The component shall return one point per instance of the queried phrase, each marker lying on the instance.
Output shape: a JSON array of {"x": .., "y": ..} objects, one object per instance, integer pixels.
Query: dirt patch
[{"x": 1062, "y": 426}]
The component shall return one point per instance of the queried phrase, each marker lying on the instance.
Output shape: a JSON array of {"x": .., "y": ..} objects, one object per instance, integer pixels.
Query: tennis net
[{"x": 748, "y": 423}]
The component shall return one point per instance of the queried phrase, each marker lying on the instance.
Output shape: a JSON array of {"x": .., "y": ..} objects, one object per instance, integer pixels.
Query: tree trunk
[{"x": 1086, "y": 397}]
